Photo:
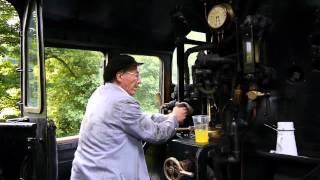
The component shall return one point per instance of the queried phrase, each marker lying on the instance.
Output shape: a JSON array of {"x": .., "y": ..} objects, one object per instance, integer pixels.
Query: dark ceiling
[
  {"x": 153, "y": 25},
  {"x": 125, "y": 24},
  {"x": 129, "y": 24}
]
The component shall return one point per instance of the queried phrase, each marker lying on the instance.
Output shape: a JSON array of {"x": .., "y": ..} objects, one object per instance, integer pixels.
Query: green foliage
[
  {"x": 9, "y": 61},
  {"x": 9, "y": 30},
  {"x": 9, "y": 90},
  {"x": 147, "y": 95},
  {"x": 72, "y": 76}
]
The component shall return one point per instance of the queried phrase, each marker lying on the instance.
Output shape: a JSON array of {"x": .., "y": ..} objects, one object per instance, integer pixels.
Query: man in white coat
[{"x": 113, "y": 127}]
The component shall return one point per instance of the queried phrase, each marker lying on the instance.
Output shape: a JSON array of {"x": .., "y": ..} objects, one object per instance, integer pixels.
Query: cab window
[
  {"x": 148, "y": 94},
  {"x": 193, "y": 35},
  {"x": 71, "y": 77}
]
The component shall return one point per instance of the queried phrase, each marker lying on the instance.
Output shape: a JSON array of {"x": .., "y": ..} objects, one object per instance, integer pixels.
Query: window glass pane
[
  {"x": 71, "y": 77},
  {"x": 32, "y": 62},
  {"x": 148, "y": 93},
  {"x": 198, "y": 36}
]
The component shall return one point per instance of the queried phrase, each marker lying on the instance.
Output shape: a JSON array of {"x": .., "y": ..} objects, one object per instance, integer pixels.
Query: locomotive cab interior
[{"x": 257, "y": 63}]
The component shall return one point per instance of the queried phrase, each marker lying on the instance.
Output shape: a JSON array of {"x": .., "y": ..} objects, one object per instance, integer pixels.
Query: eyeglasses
[{"x": 137, "y": 75}]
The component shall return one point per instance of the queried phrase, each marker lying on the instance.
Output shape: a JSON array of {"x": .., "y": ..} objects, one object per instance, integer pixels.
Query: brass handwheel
[{"x": 173, "y": 170}]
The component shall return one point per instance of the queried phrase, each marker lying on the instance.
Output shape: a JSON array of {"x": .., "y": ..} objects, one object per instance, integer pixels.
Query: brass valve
[{"x": 253, "y": 95}]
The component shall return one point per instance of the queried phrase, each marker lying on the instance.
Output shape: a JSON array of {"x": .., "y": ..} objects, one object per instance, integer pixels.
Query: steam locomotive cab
[
  {"x": 258, "y": 65},
  {"x": 235, "y": 83}
]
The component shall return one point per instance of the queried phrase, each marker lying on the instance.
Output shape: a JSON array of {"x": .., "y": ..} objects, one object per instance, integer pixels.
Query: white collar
[{"x": 120, "y": 88}]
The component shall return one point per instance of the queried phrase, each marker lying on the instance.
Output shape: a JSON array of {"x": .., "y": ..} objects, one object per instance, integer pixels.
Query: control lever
[
  {"x": 183, "y": 132},
  {"x": 190, "y": 128},
  {"x": 253, "y": 95},
  {"x": 170, "y": 105},
  {"x": 186, "y": 105}
]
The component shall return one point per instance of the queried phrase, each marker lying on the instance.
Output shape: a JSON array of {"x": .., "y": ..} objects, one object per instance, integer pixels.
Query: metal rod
[{"x": 270, "y": 127}]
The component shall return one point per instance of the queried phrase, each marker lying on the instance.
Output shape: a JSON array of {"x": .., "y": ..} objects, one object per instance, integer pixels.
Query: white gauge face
[{"x": 217, "y": 17}]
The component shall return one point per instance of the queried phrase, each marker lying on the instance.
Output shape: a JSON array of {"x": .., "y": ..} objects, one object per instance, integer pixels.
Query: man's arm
[{"x": 142, "y": 126}]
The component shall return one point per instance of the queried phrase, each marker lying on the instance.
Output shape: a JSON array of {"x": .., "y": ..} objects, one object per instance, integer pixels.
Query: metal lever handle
[
  {"x": 190, "y": 128},
  {"x": 186, "y": 173},
  {"x": 186, "y": 105}
]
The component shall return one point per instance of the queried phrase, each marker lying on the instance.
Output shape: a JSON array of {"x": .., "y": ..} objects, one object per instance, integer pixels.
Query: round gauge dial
[{"x": 219, "y": 14}]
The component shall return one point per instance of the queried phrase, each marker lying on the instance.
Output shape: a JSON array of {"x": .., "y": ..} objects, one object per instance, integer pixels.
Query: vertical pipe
[
  {"x": 180, "y": 59},
  {"x": 209, "y": 108}
]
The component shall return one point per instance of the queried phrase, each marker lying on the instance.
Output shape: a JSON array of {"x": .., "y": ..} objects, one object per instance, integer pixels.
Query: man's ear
[{"x": 119, "y": 76}]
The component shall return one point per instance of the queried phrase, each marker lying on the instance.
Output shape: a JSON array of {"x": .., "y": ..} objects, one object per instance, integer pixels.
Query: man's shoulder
[
  {"x": 116, "y": 93},
  {"x": 110, "y": 88}
]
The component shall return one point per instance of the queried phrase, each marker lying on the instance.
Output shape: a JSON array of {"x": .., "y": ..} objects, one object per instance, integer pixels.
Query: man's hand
[
  {"x": 184, "y": 104},
  {"x": 180, "y": 112}
]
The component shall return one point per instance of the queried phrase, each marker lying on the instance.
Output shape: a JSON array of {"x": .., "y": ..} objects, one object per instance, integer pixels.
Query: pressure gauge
[{"x": 219, "y": 15}]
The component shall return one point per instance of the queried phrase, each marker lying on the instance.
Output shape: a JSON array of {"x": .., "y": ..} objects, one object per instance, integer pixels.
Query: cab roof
[{"x": 120, "y": 24}]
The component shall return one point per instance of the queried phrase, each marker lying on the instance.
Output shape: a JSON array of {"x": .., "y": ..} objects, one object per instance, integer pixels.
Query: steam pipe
[
  {"x": 234, "y": 134},
  {"x": 187, "y": 54},
  {"x": 185, "y": 40},
  {"x": 181, "y": 69}
]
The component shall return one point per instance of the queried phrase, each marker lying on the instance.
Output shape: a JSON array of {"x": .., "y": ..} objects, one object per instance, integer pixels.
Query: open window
[
  {"x": 149, "y": 95},
  {"x": 71, "y": 77},
  {"x": 193, "y": 35}
]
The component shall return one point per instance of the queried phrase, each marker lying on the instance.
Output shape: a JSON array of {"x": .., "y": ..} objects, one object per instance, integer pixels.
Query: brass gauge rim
[{"x": 227, "y": 12}]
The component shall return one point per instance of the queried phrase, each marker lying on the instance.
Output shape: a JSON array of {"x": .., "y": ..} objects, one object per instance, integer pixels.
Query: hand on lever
[
  {"x": 186, "y": 105},
  {"x": 181, "y": 113},
  {"x": 181, "y": 110}
]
